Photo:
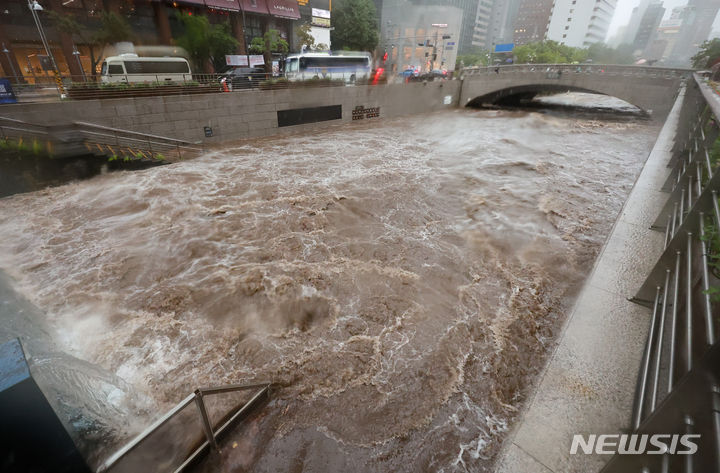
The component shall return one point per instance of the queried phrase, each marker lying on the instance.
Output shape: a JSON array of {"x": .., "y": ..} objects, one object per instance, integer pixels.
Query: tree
[
  {"x": 355, "y": 23},
  {"x": 204, "y": 42},
  {"x": 708, "y": 54},
  {"x": 305, "y": 38},
  {"x": 114, "y": 28},
  {"x": 603, "y": 54},
  {"x": 475, "y": 57},
  {"x": 270, "y": 42},
  {"x": 549, "y": 52}
]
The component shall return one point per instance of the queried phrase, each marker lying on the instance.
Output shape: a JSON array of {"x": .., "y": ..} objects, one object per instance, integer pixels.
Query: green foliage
[
  {"x": 113, "y": 29},
  {"x": 708, "y": 54},
  {"x": 475, "y": 57},
  {"x": 270, "y": 42},
  {"x": 552, "y": 52},
  {"x": 305, "y": 39},
  {"x": 603, "y": 54},
  {"x": 715, "y": 154},
  {"x": 549, "y": 52},
  {"x": 356, "y": 27},
  {"x": 204, "y": 41},
  {"x": 160, "y": 157},
  {"x": 712, "y": 242},
  {"x": 714, "y": 293}
]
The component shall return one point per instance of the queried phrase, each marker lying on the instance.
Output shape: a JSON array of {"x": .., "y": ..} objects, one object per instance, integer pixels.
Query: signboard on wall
[
  {"x": 242, "y": 60},
  {"x": 504, "y": 48},
  {"x": 320, "y": 13},
  {"x": 324, "y": 22},
  {"x": 320, "y": 17},
  {"x": 6, "y": 92}
]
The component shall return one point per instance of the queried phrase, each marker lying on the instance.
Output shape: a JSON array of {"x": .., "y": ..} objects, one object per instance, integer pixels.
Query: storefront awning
[
  {"x": 228, "y": 5},
  {"x": 284, "y": 9},
  {"x": 255, "y": 6}
]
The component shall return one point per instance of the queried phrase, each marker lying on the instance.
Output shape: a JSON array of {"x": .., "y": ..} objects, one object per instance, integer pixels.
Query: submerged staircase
[{"x": 81, "y": 138}]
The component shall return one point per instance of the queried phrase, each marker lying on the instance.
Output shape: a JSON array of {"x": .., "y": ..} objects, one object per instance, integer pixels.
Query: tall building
[
  {"x": 494, "y": 24},
  {"x": 632, "y": 26},
  {"x": 648, "y": 26},
  {"x": 697, "y": 20},
  {"x": 531, "y": 21},
  {"x": 481, "y": 28},
  {"x": 580, "y": 23},
  {"x": 422, "y": 36},
  {"x": 469, "y": 14},
  {"x": 662, "y": 45}
]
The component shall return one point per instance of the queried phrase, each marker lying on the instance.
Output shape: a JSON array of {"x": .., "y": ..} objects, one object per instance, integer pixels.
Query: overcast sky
[{"x": 624, "y": 9}]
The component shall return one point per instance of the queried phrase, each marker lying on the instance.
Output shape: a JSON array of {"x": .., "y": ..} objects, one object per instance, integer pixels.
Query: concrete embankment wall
[{"x": 241, "y": 114}]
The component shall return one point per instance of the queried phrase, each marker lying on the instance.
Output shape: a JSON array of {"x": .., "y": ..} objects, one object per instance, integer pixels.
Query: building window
[{"x": 564, "y": 36}]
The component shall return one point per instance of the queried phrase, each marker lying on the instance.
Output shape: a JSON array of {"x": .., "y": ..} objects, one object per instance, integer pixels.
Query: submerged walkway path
[{"x": 589, "y": 382}]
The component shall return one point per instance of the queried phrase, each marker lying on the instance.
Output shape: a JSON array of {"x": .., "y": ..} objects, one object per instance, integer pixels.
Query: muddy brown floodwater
[{"x": 401, "y": 279}]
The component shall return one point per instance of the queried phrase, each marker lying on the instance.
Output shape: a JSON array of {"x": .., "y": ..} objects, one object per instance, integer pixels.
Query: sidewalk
[{"x": 589, "y": 382}]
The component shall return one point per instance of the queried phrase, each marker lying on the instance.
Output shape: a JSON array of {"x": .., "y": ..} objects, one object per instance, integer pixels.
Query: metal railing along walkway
[
  {"x": 678, "y": 388},
  {"x": 81, "y": 137},
  {"x": 180, "y": 437},
  {"x": 114, "y": 142}
]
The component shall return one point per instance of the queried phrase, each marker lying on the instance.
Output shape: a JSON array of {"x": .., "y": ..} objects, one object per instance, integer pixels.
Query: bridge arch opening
[{"x": 524, "y": 95}]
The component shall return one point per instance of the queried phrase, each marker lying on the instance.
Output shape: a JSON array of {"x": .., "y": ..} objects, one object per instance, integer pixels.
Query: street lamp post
[
  {"x": 7, "y": 55},
  {"x": 76, "y": 53},
  {"x": 34, "y": 8},
  {"x": 435, "y": 46}
]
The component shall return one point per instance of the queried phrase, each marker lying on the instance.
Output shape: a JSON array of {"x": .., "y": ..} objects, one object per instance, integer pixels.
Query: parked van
[{"x": 131, "y": 68}]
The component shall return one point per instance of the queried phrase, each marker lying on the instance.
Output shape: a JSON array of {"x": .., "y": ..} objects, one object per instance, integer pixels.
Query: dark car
[{"x": 243, "y": 77}]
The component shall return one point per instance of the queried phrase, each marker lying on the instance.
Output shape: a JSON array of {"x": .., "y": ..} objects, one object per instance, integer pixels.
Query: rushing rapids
[{"x": 402, "y": 279}]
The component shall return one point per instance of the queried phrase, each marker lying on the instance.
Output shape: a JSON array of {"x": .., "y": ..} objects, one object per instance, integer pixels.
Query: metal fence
[
  {"x": 45, "y": 88},
  {"x": 678, "y": 388},
  {"x": 182, "y": 435}
]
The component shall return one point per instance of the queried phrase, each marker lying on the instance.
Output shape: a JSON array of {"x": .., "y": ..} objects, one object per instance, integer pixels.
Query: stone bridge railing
[
  {"x": 652, "y": 89},
  {"x": 609, "y": 69}
]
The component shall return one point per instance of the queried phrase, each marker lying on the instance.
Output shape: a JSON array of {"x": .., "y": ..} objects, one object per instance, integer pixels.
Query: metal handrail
[
  {"x": 211, "y": 433},
  {"x": 174, "y": 141},
  {"x": 91, "y": 133},
  {"x": 682, "y": 333}
]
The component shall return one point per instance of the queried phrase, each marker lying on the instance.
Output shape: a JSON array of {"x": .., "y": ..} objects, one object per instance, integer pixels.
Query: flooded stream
[{"x": 401, "y": 279}]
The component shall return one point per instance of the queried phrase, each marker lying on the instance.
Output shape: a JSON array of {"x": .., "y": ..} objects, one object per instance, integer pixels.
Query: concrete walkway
[{"x": 589, "y": 382}]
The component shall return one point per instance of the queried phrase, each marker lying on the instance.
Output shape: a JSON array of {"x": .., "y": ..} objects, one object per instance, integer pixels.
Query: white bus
[
  {"x": 346, "y": 66},
  {"x": 132, "y": 68}
]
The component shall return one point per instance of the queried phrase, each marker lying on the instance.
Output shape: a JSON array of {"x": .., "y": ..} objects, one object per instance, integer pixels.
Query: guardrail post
[
  {"x": 645, "y": 369},
  {"x": 689, "y": 423},
  {"x": 709, "y": 329},
  {"x": 674, "y": 320},
  {"x": 688, "y": 306},
  {"x": 205, "y": 419},
  {"x": 659, "y": 347}
]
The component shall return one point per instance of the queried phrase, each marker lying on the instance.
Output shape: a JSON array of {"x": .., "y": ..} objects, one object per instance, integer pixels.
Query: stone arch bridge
[{"x": 652, "y": 89}]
